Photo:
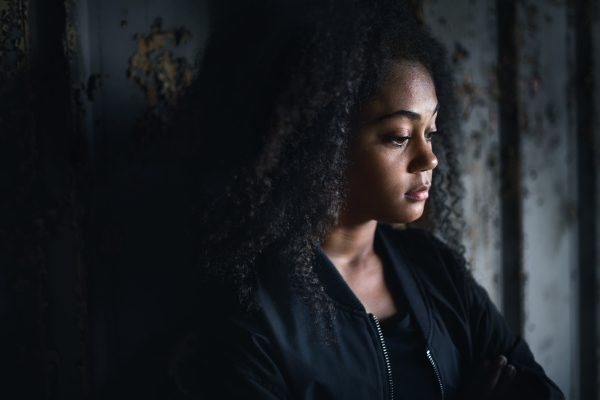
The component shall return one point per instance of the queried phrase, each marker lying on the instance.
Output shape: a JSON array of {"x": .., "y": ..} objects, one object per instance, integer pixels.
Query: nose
[{"x": 422, "y": 157}]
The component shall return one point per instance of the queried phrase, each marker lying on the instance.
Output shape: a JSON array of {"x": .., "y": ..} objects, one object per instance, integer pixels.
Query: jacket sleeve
[
  {"x": 491, "y": 337},
  {"x": 240, "y": 385},
  {"x": 236, "y": 362}
]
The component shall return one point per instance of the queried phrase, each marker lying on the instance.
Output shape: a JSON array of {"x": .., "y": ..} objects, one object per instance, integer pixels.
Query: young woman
[{"x": 321, "y": 125}]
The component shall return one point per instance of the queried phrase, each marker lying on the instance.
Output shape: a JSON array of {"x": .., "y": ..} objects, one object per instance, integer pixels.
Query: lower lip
[{"x": 418, "y": 196}]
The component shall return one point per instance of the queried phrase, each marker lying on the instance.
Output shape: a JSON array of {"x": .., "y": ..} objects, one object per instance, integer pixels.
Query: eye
[
  {"x": 430, "y": 135},
  {"x": 399, "y": 140}
]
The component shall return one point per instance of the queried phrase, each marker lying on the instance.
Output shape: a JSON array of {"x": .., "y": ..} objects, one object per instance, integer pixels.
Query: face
[{"x": 392, "y": 156}]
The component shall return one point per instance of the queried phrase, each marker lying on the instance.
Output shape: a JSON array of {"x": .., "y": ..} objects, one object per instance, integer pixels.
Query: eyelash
[{"x": 405, "y": 139}]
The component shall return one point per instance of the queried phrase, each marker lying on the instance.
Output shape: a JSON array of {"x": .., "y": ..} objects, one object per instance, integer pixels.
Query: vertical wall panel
[
  {"x": 81, "y": 54},
  {"x": 548, "y": 166},
  {"x": 574, "y": 389},
  {"x": 120, "y": 40},
  {"x": 585, "y": 16},
  {"x": 547, "y": 161},
  {"x": 596, "y": 144},
  {"x": 468, "y": 29}
]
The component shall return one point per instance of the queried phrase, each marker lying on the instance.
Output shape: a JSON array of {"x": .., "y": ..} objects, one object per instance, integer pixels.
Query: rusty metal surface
[
  {"x": 142, "y": 54},
  {"x": 23, "y": 225},
  {"x": 541, "y": 279},
  {"x": 471, "y": 40},
  {"x": 596, "y": 144},
  {"x": 549, "y": 194},
  {"x": 511, "y": 226},
  {"x": 585, "y": 17},
  {"x": 40, "y": 206},
  {"x": 133, "y": 57}
]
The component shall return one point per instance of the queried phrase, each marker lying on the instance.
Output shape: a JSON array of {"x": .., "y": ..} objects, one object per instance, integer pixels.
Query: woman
[{"x": 321, "y": 124}]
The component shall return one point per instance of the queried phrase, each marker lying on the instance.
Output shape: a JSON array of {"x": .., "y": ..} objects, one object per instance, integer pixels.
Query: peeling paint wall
[
  {"x": 471, "y": 40},
  {"x": 546, "y": 301},
  {"x": 596, "y": 144},
  {"x": 133, "y": 58},
  {"x": 596, "y": 60},
  {"x": 41, "y": 240},
  {"x": 159, "y": 76},
  {"x": 549, "y": 200},
  {"x": 57, "y": 84},
  {"x": 23, "y": 222},
  {"x": 141, "y": 53}
]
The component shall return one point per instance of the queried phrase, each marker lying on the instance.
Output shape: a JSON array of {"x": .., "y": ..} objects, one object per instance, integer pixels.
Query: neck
[{"x": 350, "y": 244}]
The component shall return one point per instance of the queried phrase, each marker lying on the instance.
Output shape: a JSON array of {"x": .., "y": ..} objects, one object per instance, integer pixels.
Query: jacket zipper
[
  {"x": 385, "y": 356},
  {"x": 437, "y": 373}
]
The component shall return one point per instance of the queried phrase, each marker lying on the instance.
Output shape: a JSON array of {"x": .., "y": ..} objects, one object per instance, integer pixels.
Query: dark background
[{"x": 96, "y": 283}]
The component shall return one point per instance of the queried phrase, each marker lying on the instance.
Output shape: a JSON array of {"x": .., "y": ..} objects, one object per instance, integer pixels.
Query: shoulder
[
  {"x": 235, "y": 356},
  {"x": 427, "y": 252},
  {"x": 437, "y": 265}
]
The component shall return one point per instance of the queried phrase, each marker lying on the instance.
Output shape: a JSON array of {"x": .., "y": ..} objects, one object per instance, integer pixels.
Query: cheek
[
  {"x": 383, "y": 176},
  {"x": 377, "y": 183}
]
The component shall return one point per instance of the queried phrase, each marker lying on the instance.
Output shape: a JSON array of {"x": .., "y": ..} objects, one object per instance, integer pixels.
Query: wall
[
  {"x": 531, "y": 169},
  {"x": 83, "y": 89}
]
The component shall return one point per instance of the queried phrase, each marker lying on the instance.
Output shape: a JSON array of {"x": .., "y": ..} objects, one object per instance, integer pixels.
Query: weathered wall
[
  {"x": 596, "y": 149},
  {"x": 40, "y": 233},
  {"x": 21, "y": 254},
  {"x": 133, "y": 57},
  {"x": 75, "y": 92},
  {"x": 470, "y": 38},
  {"x": 549, "y": 192},
  {"x": 83, "y": 89},
  {"x": 530, "y": 191}
]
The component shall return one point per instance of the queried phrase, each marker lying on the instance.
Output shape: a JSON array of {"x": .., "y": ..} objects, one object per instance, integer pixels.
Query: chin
[
  {"x": 410, "y": 215},
  {"x": 403, "y": 219},
  {"x": 398, "y": 213}
]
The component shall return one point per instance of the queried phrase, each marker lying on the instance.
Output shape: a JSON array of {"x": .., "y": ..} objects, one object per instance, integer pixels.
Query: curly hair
[{"x": 272, "y": 107}]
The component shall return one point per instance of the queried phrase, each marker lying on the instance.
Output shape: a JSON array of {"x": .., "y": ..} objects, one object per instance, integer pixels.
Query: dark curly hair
[{"x": 272, "y": 108}]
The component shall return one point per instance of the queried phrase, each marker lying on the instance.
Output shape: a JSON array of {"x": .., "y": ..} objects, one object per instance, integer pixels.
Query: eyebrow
[{"x": 407, "y": 114}]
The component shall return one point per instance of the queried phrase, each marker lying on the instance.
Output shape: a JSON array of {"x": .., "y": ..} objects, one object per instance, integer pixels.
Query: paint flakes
[
  {"x": 78, "y": 90},
  {"x": 469, "y": 93},
  {"x": 71, "y": 38},
  {"x": 14, "y": 39},
  {"x": 532, "y": 19},
  {"x": 94, "y": 82},
  {"x": 159, "y": 77},
  {"x": 460, "y": 53}
]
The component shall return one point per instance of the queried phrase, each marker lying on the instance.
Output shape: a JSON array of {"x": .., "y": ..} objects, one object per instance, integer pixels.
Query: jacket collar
[
  {"x": 338, "y": 289},
  {"x": 406, "y": 255},
  {"x": 335, "y": 286}
]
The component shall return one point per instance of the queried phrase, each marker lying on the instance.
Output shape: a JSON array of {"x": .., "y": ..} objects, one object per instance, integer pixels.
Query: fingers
[
  {"x": 493, "y": 374},
  {"x": 504, "y": 385},
  {"x": 492, "y": 380}
]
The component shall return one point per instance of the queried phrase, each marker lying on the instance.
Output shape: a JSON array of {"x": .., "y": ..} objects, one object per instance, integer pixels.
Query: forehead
[
  {"x": 408, "y": 86},
  {"x": 410, "y": 77}
]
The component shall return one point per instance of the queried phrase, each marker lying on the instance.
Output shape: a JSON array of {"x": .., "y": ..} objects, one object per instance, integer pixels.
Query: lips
[{"x": 419, "y": 194}]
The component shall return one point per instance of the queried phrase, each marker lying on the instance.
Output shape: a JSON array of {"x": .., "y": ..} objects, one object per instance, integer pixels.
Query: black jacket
[{"x": 276, "y": 353}]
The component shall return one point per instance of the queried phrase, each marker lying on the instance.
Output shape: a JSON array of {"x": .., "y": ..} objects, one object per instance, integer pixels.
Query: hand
[{"x": 492, "y": 380}]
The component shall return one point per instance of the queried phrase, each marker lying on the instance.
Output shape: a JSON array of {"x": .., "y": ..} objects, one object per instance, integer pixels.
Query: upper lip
[{"x": 423, "y": 187}]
